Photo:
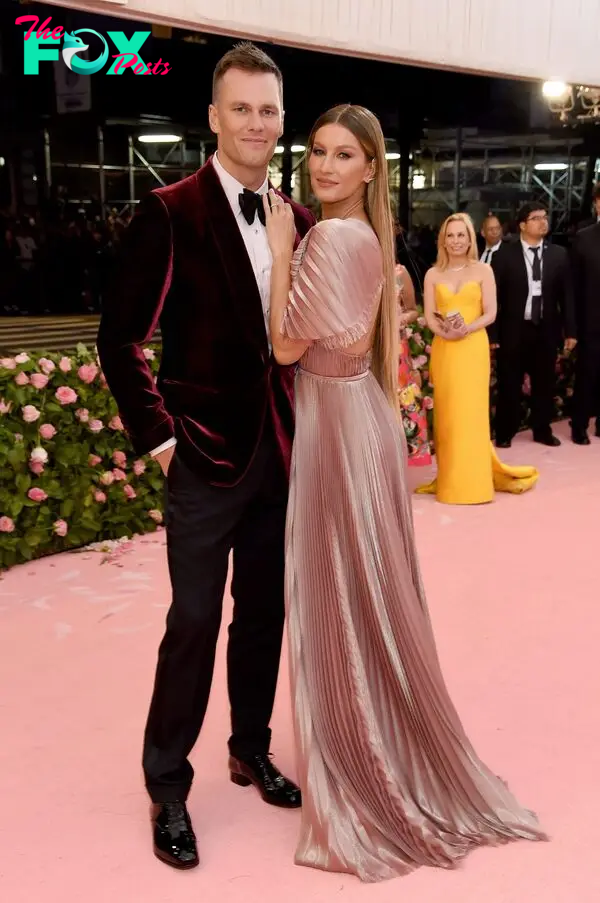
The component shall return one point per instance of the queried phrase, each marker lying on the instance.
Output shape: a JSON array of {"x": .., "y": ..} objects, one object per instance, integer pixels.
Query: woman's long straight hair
[{"x": 365, "y": 127}]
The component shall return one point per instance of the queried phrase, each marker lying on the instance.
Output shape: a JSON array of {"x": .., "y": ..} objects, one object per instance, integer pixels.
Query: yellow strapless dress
[{"x": 468, "y": 468}]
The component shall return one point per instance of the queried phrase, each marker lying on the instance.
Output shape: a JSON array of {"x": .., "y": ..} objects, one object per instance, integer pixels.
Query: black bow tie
[{"x": 251, "y": 204}]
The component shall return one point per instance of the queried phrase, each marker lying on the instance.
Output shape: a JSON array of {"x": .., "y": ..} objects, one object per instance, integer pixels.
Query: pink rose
[
  {"x": 428, "y": 403},
  {"x": 100, "y": 496},
  {"x": 8, "y": 363},
  {"x": 7, "y": 525},
  {"x": 36, "y": 467},
  {"x": 65, "y": 364},
  {"x": 47, "y": 431},
  {"x": 65, "y": 395},
  {"x": 129, "y": 491},
  {"x": 60, "y": 527},
  {"x": 138, "y": 468},
  {"x": 82, "y": 414},
  {"x": 37, "y": 495},
  {"x": 5, "y": 406},
  {"x": 39, "y": 380},
  {"x": 30, "y": 413},
  {"x": 22, "y": 358},
  {"x": 39, "y": 454},
  {"x": 22, "y": 379},
  {"x": 119, "y": 474},
  {"x": 96, "y": 426},
  {"x": 18, "y": 437},
  {"x": 94, "y": 460},
  {"x": 107, "y": 478},
  {"x": 87, "y": 373},
  {"x": 149, "y": 354},
  {"x": 116, "y": 423},
  {"x": 155, "y": 515},
  {"x": 46, "y": 366},
  {"x": 427, "y": 349},
  {"x": 119, "y": 458}
]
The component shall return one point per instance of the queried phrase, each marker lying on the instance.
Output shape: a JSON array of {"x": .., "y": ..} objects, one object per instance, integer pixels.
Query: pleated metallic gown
[{"x": 389, "y": 779}]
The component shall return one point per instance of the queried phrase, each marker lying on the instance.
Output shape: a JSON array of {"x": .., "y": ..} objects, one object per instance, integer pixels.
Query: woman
[
  {"x": 414, "y": 418},
  {"x": 460, "y": 303},
  {"x": 388, "y": 777}
]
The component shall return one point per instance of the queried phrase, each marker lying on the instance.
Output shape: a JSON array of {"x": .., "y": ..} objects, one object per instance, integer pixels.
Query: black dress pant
[
  {"x": 204, "y": 523},
  {"x": 535, "y": 354},
  {"x": 586, "y": 397}
]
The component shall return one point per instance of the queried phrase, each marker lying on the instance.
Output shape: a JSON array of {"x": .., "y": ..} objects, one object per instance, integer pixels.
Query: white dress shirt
[
  {"x": 487, "y": 255},
  {"x": 257, "y": 246},
  {"x": 529, "y": 258}
]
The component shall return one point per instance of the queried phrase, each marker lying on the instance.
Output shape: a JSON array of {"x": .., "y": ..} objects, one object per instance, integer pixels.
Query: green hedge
[{"x": 68, "y": 476}]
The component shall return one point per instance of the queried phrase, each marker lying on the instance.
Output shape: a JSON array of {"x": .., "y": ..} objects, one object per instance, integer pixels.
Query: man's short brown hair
[{"x": 249, "y": 58}]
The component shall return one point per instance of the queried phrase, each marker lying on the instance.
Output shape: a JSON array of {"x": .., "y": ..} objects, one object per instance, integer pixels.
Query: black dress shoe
[
  {"x": 268, "y": 780},
  {"x": 174, "y": 838},
  {"x": 580, "y": 437},
  {"x": 548, "y": 439},
  {"x": 503, "y": 443}
]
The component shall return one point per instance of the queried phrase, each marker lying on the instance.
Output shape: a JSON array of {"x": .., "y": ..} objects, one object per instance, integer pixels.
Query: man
[
  {"x": 586, "y": 272},
  {"x": 491, "y": 231},
  {"x": 595, "y": 218},
  {"x": 197, "y": 259},
  {"x": 535, "y": 316}
]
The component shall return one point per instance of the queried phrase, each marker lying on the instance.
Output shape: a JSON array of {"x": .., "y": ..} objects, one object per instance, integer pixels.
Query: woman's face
[
  {"x": 457, "y": 241},
  {"x": 338, "y": 165}
]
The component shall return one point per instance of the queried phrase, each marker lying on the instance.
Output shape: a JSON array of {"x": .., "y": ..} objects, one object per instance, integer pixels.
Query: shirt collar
[
  {"x": 494, "y": 247},
  {"x": 528, "y": 247},
  {"x": 231, "y": 186}
]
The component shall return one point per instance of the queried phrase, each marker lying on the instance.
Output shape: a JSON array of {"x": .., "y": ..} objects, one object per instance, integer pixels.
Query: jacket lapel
[
  {"x": 235, "y": 263},
  {"x": 521, "y": 274}
]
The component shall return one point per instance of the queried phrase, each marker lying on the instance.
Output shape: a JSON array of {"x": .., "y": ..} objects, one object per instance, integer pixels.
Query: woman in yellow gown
[{"x": 460, "y": 303}]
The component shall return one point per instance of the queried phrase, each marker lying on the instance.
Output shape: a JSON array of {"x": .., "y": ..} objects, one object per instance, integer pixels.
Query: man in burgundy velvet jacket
[{"x": 220, "y": 422}]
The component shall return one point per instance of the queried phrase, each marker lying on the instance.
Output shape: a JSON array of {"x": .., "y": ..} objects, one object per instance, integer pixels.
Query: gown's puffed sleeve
[{"x": 337, "y": 285}]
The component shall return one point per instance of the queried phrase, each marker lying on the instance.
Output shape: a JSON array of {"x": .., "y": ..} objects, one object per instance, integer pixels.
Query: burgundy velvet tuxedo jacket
[{"x": 185, "y": 265}]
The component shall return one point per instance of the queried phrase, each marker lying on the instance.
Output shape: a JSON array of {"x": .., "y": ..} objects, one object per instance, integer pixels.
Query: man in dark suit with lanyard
[{"x": 535, "y": 317}]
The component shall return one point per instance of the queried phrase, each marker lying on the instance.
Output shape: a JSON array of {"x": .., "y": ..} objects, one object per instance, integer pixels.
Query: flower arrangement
[{"x": 68, "y": 476}]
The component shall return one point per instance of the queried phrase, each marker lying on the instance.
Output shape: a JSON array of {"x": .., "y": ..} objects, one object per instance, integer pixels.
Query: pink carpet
[{"x": 514, "y": 597}]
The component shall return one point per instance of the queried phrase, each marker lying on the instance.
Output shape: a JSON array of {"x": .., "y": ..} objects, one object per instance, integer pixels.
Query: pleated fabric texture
[{"x": 389, "y": 779}]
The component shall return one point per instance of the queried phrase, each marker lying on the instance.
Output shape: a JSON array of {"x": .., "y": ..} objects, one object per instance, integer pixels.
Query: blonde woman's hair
[
  {"x": 442, "y": 255},
  {"x": 365, "y": 127}
]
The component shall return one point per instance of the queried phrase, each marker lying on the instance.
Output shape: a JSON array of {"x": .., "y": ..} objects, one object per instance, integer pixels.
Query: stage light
[
  {"x": 392, "y": 156},
  {"x": 555, "y": 89},
  {"x": 418, "y": 180},
  {"x": 279, "y": 149},
  {"x": 551, "y": 167},
  {"x": 159, "y": 139},
  {"x": 298, "y": 148}
]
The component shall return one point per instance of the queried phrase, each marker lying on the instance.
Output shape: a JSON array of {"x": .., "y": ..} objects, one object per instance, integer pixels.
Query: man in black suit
[
  {"x": 535, "y": 316},
  {"x": 586, "y": 273}
]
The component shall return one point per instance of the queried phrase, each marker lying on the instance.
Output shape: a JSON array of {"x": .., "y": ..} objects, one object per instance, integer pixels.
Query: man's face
[
  {"x": 535, "y": 227},
  {"x": 247, "y": 117},
  {"x": 491, "y": 231}
]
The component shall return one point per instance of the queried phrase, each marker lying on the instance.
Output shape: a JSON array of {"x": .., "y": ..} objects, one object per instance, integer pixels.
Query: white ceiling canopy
[{"x": 538, "y": 39}]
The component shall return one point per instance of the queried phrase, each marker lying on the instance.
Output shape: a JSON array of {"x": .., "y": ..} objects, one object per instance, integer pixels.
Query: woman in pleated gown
[{"x": 389, "y": 779}]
